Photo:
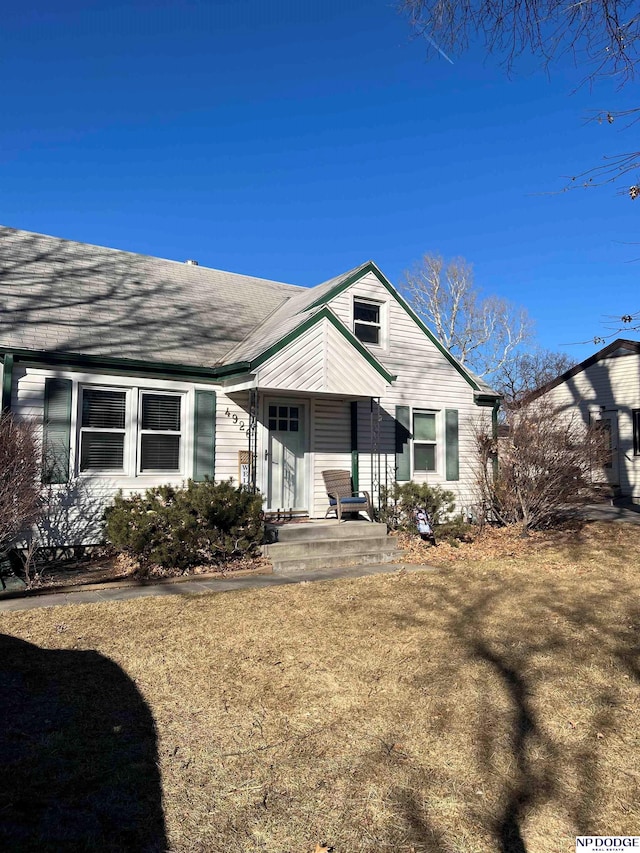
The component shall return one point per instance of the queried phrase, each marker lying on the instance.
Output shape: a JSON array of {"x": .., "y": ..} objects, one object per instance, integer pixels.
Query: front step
[
  {"x": 322, "y": 545},
  {"x": 306, "y": 531}
]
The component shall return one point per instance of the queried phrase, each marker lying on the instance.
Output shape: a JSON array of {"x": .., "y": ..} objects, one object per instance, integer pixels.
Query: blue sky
[{"x": 296, "y": 140}]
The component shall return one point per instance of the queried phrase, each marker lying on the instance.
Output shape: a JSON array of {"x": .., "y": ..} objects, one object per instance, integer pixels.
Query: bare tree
[
  {"x": 549, "y": 463},
  {"x": 483, "y": 333},
  {"x": 601, "y": 36},
  {"x": 528, "y": 371},
  {"x": 19, "y": 479}
]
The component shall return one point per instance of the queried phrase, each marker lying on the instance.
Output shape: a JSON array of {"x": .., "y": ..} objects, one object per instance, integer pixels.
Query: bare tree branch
[
  {"x": 483, "y": 333},
  {"x": 602, "y": 37}
]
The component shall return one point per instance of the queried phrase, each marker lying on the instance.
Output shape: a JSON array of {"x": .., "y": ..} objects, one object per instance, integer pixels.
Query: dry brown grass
[{"x": 489, "y": 706}]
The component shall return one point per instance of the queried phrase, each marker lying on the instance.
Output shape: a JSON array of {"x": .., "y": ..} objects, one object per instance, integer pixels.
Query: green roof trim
[
  {"x": 7, "y": 381},
  {"x": 148, "y": 369},
  {"x": 325, "y": 313},
  {"x": 370, "y": 266}
]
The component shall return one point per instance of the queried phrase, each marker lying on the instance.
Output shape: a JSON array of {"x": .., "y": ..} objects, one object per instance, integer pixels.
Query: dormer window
[{"x": 366, "y": 321}]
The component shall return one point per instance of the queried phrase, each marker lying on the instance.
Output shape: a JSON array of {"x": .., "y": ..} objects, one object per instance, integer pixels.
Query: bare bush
[
  {"x": 20, "y": 503},
  {"x": 549, "y": 463}
]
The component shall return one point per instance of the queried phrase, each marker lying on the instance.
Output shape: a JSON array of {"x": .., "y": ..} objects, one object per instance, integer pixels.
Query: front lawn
[{"x": 491, "y": 705}]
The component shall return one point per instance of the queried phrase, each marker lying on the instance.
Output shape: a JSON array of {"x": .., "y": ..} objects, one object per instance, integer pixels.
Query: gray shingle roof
[
  {"x": 62, "y": 296},
  {"x": 286, "y": 318}
]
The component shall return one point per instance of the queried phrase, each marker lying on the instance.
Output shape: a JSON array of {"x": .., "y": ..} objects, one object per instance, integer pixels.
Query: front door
[
  {"x": 286, "y": 422},
  {"x": 608, "y": 423}
]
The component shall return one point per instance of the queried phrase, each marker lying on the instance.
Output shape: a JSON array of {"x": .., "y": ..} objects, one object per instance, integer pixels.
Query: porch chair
[{"x": 342, "y": 498}]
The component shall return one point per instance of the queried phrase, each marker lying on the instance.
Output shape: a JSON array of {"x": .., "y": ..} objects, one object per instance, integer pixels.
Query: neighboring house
[
  {"x": 146, "y": 371},
  {"x": 605, "y": 389}
]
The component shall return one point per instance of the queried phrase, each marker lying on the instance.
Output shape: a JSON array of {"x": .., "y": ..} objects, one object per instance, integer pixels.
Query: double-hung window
[
  {"x": 113, "y": 440},
  {"x": 367, "y": 323},
  {"x": 160, "y": 432},
  {"x": 103, "y": 429},
  {"x": 425, "y": 447},
  {"x": 635, "y": 414}
]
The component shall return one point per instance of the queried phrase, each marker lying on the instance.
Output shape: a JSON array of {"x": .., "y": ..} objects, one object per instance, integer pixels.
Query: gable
[
  {"x": 322, "y": 359},
  {"x": 403, "y": 326}
]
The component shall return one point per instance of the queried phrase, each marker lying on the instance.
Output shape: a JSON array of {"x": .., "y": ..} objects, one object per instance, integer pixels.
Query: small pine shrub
[
  {"x": 179, "y": 528},
  {"x": 399, "y": 502}
]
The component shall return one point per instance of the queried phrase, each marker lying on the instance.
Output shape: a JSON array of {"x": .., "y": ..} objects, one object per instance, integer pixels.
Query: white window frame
[
  {"x": 119, "y": 431},
  {"x": 140, "y": 432},
  {"x": 132, "y": 452},
  {"x": 436, "y": 443},
  {"x": 380, "y": 325}
]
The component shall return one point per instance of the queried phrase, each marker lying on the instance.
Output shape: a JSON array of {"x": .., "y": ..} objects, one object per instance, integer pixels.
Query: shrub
[
  {"x": 201, "y": 523},
  {"x": 399, "y": 501},
  {"x": 549, "y": 462},
  {"x": 20, "y": 500}
]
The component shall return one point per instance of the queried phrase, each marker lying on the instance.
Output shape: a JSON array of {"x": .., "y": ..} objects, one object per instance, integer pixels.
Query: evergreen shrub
[
  {"x": 198, "y": 524},
  {"x": 400, "y": 500}
]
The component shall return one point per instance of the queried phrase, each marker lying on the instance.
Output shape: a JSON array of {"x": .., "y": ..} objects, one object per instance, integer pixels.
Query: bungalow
[
  {"x": 144, "y": 371},
  {"x": 605, "y": 389}
]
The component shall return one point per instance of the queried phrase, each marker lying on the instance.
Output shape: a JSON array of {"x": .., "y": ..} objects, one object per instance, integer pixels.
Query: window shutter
[
  {"x": 403, "y": 448},
  {"x": 56, "y": 443},
  {"x": 355, "y": 459},
  {"x": 204, "y": 439},
  {"x": 452, "y": 444}
]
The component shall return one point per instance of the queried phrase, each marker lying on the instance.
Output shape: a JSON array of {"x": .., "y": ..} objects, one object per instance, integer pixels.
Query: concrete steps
[{"x": 327, "y": 544}]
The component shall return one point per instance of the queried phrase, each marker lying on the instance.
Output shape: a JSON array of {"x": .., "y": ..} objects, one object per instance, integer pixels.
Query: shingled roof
[{"x": 61, "y": 296}]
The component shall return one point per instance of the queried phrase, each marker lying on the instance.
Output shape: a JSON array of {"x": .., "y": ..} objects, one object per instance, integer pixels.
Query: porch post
[
  {"x": 252, "y": 434},
  {"x": 375, "y": 450}
]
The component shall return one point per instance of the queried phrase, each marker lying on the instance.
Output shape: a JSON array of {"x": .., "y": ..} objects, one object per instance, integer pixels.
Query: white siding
[
  {"x": 321, "y": 360},
  {"x": 425, "y": 380},
  {"x": 331, "y": 445},
  {"x": 79, "y": 504},
  {"x": 614, "y": 383},
  {"x": 232, "y": 421}
]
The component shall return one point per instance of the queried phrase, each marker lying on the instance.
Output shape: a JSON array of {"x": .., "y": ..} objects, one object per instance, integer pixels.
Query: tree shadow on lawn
[
  {"x": 552, "y": 670},
  {"x": 78, "y": 753}
]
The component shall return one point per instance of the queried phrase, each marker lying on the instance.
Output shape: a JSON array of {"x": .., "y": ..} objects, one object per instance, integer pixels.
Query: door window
[{"x": 284, "y": 418}]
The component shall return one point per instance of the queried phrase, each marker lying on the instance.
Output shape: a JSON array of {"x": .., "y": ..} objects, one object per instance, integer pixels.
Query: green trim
[
  {"x": 153, "y": 370},
  {"x": 237, "y": 368},
  {"x": 204, "y": 436},
  {"x": 7, "y": 381},
  {"x": 355, "y": 456},
  {"x": 452, "y": 444},
  {"x": 56, "y": 436},
  {"x": 327, "y": 314},
  {"x": 487, "y": 400},
  {"x": 370, "y": 266}
]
